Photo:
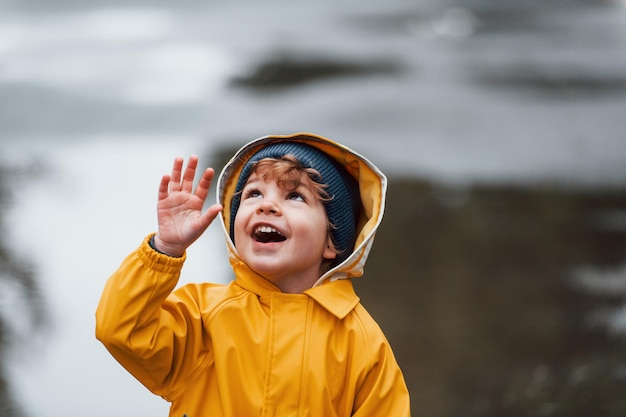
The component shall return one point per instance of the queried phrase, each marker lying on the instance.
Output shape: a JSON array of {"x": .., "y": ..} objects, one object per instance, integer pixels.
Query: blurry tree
[{"x": 18, "y": 288}]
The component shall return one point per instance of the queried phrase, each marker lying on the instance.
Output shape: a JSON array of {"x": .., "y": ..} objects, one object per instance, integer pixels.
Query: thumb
[{"x": 211, "y": 213}]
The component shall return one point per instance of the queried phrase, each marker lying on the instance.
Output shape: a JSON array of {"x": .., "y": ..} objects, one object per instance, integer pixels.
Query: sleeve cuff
[
  {"x": 152, "y": 245},
  {"x": 156, "y": 260}
]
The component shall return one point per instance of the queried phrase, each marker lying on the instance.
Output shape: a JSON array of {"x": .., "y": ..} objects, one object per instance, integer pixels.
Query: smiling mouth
[{"x": 267, "y": 234}]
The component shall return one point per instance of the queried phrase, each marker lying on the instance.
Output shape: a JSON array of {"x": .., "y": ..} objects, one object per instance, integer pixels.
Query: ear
[{"x": 329, "y": 251}]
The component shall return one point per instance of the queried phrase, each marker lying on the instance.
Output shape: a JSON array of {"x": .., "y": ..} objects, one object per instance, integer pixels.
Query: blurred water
[
  {"x": 539, "y": 96},
  {"x": 102, "y": 96}
]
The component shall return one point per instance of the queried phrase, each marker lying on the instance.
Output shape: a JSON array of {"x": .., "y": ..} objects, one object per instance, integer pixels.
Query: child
[{"x": 287, "y": 337}]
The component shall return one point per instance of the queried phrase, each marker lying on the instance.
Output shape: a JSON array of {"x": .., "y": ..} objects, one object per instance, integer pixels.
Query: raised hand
[{"x": 179, "y": 208}]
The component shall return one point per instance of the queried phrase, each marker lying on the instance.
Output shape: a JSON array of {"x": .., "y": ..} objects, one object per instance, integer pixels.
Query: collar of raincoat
[{"x": 372, "y": 186}]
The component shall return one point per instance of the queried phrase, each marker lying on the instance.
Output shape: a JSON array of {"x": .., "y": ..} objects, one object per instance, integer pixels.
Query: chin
[{"x": 267, "y": 269}]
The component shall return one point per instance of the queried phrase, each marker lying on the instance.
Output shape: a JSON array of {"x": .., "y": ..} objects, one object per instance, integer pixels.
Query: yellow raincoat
[{"x": 246, "y": 349}]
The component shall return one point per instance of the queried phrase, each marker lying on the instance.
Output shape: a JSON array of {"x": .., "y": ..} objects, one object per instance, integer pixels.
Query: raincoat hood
[{"x": 372, "y": 189}]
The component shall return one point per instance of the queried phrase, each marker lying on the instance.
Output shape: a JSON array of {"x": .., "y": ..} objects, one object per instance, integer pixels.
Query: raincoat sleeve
[
  {"x": 383, "y": 391},
  {"x": 157, "y": 336}
]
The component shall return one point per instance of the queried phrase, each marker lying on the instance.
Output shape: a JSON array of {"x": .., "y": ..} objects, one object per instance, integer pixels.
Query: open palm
[{"x": 179, "y": 208}]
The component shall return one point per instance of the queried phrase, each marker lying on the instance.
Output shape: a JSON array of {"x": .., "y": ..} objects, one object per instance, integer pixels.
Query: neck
[{"x": 293, "y": 285}]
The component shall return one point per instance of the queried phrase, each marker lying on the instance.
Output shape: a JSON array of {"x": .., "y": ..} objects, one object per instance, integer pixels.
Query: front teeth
[{"x": 266, "y": 229}]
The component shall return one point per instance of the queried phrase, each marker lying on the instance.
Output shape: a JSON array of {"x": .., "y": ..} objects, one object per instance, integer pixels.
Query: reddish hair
[{"x": 287, "y": 171}]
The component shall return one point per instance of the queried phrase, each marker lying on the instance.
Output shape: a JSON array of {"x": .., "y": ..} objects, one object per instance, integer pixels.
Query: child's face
[{"x": 282, "y": 234}]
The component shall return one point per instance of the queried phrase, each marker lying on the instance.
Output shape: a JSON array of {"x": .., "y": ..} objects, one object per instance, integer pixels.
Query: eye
[
  {"x": 296, "y": 196},
  {"x": 252, "y": 193}
]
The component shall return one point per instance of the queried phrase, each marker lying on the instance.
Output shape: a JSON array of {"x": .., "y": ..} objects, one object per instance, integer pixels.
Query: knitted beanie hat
[{"x": 344, "y": 206}]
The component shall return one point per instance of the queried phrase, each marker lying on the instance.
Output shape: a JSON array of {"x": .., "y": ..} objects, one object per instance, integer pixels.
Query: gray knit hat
[{"x": 344, "y": 207}]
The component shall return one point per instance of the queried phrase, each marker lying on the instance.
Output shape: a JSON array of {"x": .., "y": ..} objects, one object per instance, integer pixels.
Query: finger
[
  {"x": 176, "y": 172},
  {"x": 190, "y": 172},
  {"x": 163, "y": 187},
  {"x": 204, "y": 185},
  {"x": 212, "y": 213}
]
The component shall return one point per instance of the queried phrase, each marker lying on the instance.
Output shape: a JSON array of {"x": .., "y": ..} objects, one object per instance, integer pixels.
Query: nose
[{"x": 268, "y": 206}]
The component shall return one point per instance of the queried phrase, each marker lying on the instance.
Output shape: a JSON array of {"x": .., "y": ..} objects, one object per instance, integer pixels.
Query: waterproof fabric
[{"x": 245, "y": 348}]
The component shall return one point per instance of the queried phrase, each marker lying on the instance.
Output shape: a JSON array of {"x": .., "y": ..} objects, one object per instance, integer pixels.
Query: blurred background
[{"x": 499, "y": 273}]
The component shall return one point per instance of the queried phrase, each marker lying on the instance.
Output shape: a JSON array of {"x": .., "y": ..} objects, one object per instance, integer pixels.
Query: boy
[{"x": 287, "y": 337}]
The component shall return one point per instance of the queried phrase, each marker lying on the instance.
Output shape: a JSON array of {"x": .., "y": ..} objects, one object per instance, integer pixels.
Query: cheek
[
  {"x": 239, "y": 226},
  {"x": 318, "y": 232}
]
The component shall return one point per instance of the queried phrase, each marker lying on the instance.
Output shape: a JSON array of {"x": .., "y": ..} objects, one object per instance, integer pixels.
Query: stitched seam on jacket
[{"x": 306, "y": 357}]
